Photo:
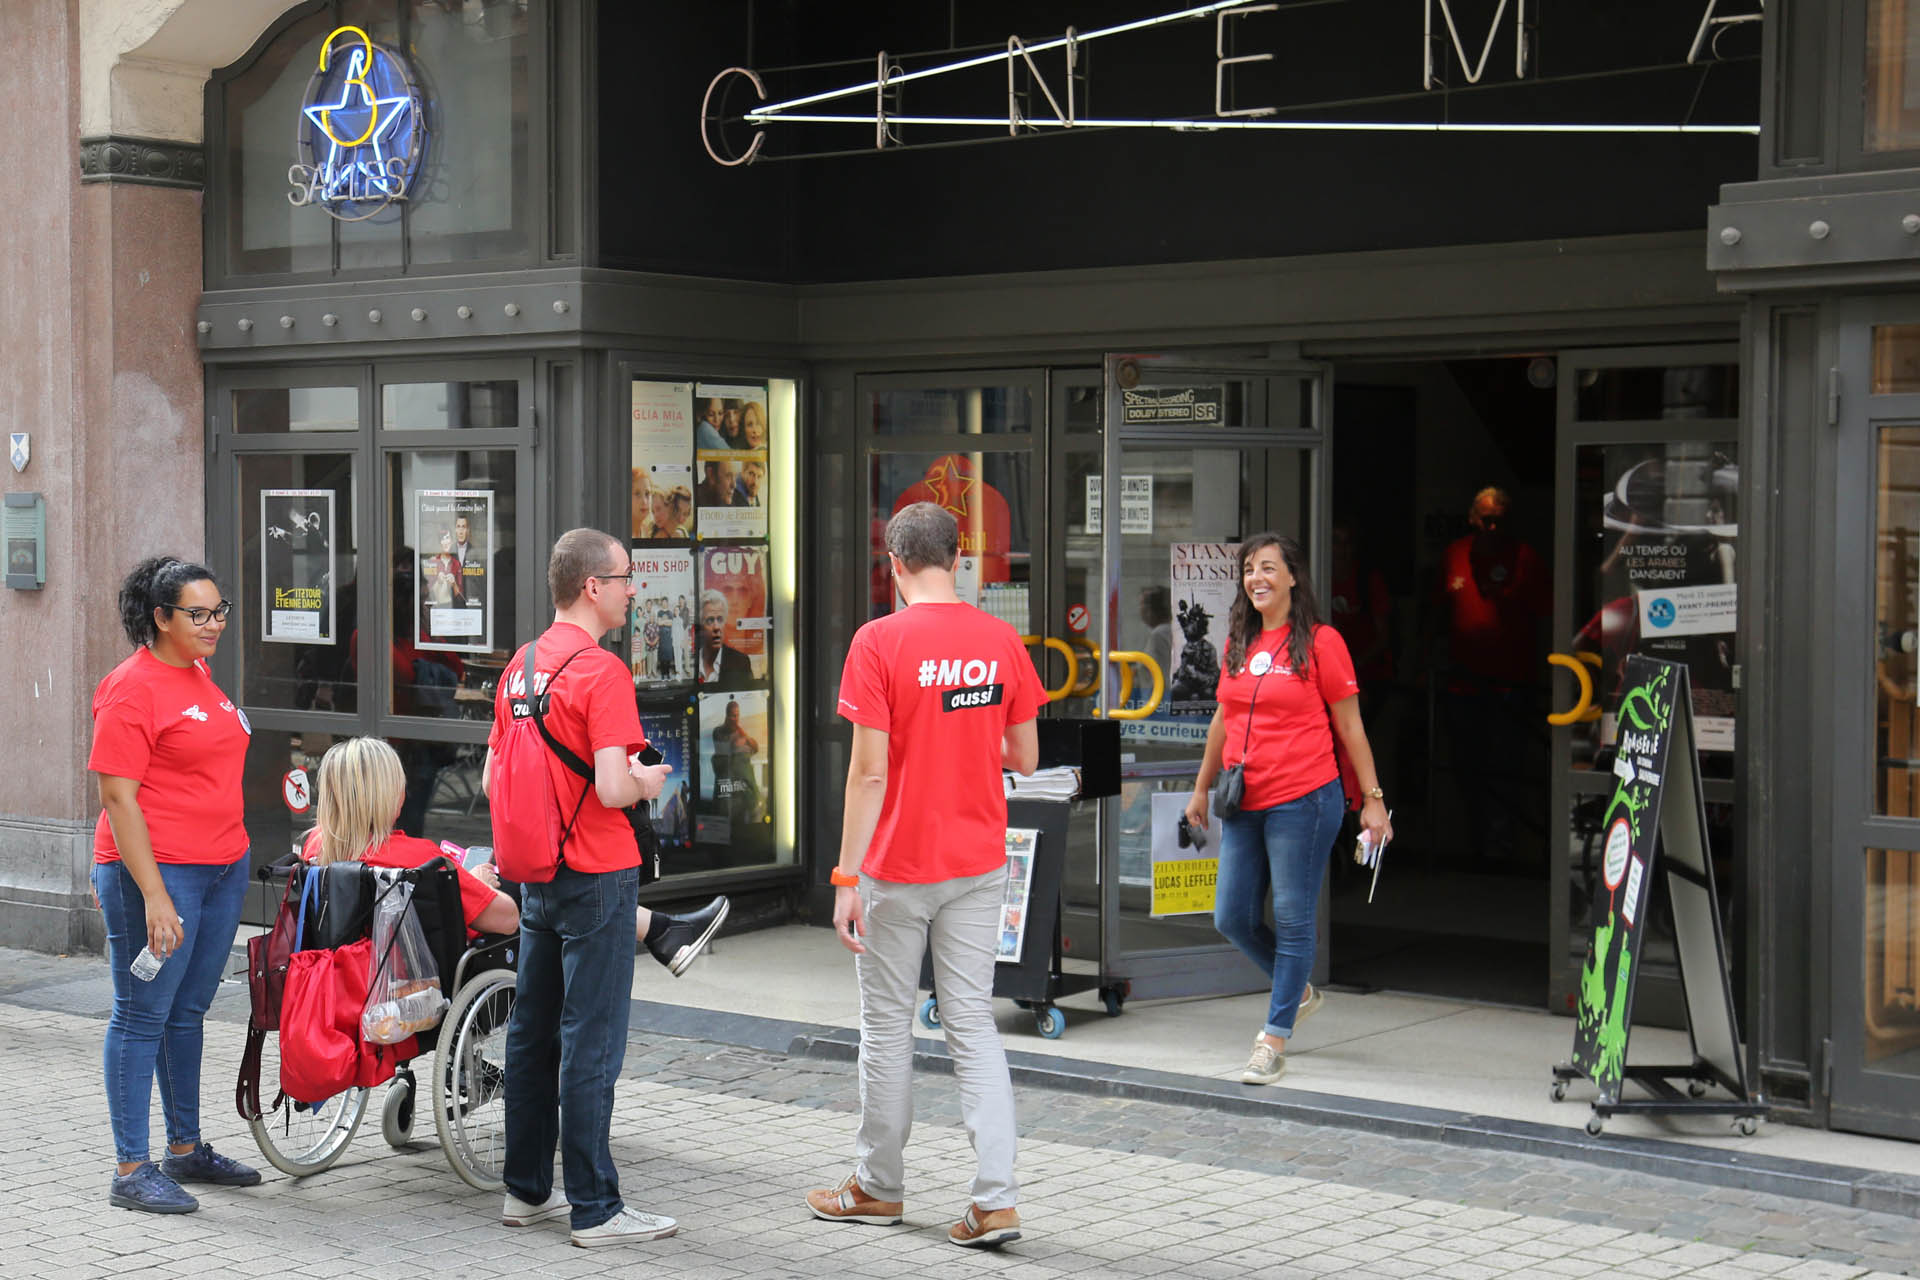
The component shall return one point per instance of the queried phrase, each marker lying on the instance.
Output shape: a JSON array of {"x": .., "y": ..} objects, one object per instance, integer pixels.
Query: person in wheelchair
[{"x": 362, "y": 787}]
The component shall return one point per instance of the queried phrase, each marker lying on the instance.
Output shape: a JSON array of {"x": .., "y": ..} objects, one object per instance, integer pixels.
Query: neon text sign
[{"x": 362, "y": 130}]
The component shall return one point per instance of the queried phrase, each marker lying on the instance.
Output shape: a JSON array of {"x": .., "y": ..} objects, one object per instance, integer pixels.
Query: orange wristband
[{"x": 844, "y": 879}]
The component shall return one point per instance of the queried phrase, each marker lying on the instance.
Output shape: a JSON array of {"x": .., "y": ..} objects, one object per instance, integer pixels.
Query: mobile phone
[{"x": 650, "y": 754}]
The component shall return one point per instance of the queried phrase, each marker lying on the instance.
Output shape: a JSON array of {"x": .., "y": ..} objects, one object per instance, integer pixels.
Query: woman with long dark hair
[
  {"x": 1286, "y": 691},
  {"x": 170, "y": 871}
]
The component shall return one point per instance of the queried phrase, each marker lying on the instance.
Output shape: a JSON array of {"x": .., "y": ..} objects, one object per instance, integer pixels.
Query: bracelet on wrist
[
  {"x": 1374, "y": 793},
  {"x": 844, "y": 879}
]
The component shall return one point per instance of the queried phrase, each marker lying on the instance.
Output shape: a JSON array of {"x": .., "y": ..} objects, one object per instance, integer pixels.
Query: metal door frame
[
  {"x": 1858, "y": 1098},
  {"x": 1658, "y": 997},
  {"x": 1190, "y": 971}
]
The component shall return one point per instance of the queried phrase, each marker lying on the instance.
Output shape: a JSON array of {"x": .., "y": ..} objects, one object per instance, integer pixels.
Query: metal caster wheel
[
  {"x": 930, "y": 1014},
  {"x": 1558, "y": 1090},
  {"x": 1747, "y": 1126},
  {"x": 1050, "y": 1022},
  {"x": 1594, "y": 1125},
  {"x": 1114, "y": 999},
  {"x": 396, "y": 1114}
]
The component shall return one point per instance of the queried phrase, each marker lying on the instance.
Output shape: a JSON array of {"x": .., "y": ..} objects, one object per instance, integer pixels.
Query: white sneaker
[
  {"x": 629, "y": 1226},
  {"x": 518, "y": 1213}
]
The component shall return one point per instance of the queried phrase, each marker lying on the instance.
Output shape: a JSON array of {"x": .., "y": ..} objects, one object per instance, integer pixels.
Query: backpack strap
[{"x": 537, "y": 712}]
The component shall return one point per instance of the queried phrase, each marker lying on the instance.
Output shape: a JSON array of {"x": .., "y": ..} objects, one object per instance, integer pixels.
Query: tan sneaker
[
  {"x": 849, "y": 1203},
  {"x": 985, "y": 1230},
  {"x": 1309, "y": 1005},
  {"x": 1266, "y": 1066}
]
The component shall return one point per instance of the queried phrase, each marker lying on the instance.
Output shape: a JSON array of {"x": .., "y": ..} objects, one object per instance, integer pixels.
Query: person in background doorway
[
  {"x": 1156, "y": 610},
  {"x": 1494, "y": 598},
  {"x": 1360, "y": 610},
  {"x": 923, "y": 865},
  {"x": 170, "y": 872},
  {"x": 1287, "y": 700}
]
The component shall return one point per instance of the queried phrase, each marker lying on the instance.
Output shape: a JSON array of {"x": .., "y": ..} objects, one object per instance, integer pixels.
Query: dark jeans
[
  {"x": 160, "y": 1023},
  {"x": 568, "y": 1037},
  {"x": 1279, "y": 853}
]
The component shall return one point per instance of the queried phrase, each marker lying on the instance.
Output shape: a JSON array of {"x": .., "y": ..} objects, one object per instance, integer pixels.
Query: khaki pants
[{"x": 960, "y": 919}]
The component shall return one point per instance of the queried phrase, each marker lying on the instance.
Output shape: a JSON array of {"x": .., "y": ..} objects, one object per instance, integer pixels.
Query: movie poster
[
  {"x": 669, "y": 730},
  {"x": 1205, "y": 579},
  {"x": 453, "y": 532},
  {"x": 661, "y": 618},
  {"x": 296, "y": 566},
  {"x": 733, "y": 782},
  {"x": 662, "y": 489},
  {"x": 730, "y": 461},
  {"x": 730, "y": 644},
  {"x": 1021, "y": 843},
  {"x": 1669, "y": 578}
]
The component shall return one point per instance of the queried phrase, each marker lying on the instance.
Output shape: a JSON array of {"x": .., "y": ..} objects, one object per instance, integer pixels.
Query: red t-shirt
[
  {"x": 944, "y": 682},
  {"x": 1494, "y": 591},
  {"x": 1290, "y": 752},
  {"x": 592, "y": 707},
  {"x": 402, "y": 851},
  {"x": 171, "y": 730}
]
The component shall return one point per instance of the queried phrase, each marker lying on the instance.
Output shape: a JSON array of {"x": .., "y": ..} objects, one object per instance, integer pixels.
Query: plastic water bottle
[{"x": 146, "y": 964}]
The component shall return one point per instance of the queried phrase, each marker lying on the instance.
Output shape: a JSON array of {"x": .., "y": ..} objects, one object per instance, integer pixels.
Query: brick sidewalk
[{"x": 727, "y": 1140}]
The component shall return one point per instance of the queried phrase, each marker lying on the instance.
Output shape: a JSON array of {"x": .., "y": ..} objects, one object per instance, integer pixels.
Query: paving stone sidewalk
[{"x": 727, "y": 1140}]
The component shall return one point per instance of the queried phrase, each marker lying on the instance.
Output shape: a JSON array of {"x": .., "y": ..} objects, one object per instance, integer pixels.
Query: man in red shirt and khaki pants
[{"x": 942, "y": 697}]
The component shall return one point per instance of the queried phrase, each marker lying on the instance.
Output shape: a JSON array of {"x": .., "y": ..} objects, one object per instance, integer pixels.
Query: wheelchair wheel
[
  {"x": 302, "y": 1138},
  {"x": 469, "y": 1078}
]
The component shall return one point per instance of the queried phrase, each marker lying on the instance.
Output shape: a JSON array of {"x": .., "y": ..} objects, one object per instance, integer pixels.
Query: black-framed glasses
[
  {"x": 199, "y": 616},
  {"x": 626, "y": 577}
]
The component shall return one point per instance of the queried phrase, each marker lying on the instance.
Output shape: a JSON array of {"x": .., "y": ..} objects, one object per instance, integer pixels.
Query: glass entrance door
[
  {"x": 1194, "y": 458},
  {"x": 1648, "y": 527},
  {"x": 1875, "y": 1055}
]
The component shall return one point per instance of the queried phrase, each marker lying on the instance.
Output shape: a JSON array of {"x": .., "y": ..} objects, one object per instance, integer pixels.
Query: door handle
[
  {"x": 1059, "y": 646},
  {"x": 1582, "y": 710},
  {"x": 1125, "y": 658}
]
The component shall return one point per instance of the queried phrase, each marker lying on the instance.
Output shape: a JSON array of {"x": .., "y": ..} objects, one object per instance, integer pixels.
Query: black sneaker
[
  {"x": 204, "y": 1164},
  {"x": 148, "y": 1190},
  {"x": 679, "y": 944}
]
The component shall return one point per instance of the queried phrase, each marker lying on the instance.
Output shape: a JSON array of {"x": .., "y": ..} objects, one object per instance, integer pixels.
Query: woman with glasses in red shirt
[{"x": 170, "y": 872}]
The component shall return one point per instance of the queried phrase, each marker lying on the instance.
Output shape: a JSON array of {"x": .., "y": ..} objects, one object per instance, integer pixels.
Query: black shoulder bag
[
  {"x": 639, "y": 817},
  {"x": 1230, "y": 788}
]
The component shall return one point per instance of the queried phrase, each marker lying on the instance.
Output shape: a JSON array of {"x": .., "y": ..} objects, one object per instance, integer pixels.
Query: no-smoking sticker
[
  {"x": 1077, "y": 619},
  {"x": 297, "y": 791}
]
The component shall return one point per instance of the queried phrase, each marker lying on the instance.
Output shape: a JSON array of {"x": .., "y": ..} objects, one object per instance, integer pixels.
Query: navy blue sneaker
[
  {"x": 150, "y": 1191},
  {"x": 204, "y": 1164}
]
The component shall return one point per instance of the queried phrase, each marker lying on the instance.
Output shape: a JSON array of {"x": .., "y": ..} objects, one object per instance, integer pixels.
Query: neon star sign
[{"x": 362, "y": 130}]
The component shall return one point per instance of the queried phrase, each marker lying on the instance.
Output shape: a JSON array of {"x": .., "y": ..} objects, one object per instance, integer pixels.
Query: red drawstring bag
[{"x": 321, "y": 1052}]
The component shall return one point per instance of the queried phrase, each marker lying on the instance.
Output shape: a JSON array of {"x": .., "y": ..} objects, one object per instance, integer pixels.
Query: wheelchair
[{"x": 466, "y": 1086}]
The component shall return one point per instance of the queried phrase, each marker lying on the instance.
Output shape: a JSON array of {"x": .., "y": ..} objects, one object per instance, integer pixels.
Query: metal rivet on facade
[
  {"x": 246, "y": 325},
  {"x": 1911, "y": 224},
  {"x": 512, "y": 308},
  {"x": 286, "y": 322},
  {"x": 419, "y": 314},
  {"x": 1729, "y": 236},
  {"x": 464, "y": 311},
  {"x": 560, "y": 306},
  {"x": 374, "y": 315},
  {"x": 329, "y": 319},
  {"x": 205, "y": 326},
  {"x": 1819, "y": 229}
]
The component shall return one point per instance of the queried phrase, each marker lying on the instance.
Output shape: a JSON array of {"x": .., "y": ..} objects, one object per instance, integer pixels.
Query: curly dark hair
[
  {"x": 1303, "y": 616},
  {"x": 155, "y": 581}
]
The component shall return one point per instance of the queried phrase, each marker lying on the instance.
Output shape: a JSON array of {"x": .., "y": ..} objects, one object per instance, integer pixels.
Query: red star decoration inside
[{"x": 949, "y": 471}]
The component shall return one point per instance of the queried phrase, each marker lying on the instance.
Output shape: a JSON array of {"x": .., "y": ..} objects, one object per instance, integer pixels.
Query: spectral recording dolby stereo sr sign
[{"x": 362, "y": 131}]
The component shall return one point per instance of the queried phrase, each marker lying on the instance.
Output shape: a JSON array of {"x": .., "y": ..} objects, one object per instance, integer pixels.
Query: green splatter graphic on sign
[
  {"x": 1613, "y": 1033},
  {"x": 1593, "y": 982}
]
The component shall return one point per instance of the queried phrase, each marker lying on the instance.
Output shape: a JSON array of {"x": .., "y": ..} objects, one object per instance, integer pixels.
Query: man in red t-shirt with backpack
[
  {"x": 942, "y": 697},
  {"x": 568, "y": 1033}
]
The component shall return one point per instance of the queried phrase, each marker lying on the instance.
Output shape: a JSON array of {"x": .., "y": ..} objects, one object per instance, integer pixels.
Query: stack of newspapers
[{"x": 1059, "y": 783}]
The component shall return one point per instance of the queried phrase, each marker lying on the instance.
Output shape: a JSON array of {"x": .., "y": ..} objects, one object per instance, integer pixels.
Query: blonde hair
[
  {"x": 361, "y": 786},
  {"x": 752, "y": 414}
]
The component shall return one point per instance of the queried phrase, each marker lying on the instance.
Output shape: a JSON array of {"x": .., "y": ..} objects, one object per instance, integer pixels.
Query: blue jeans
[
  {"x": 1282, "y": 851},
  {"x": 568, "y": 1037},
  {"x": 159, "y": 1024}
]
